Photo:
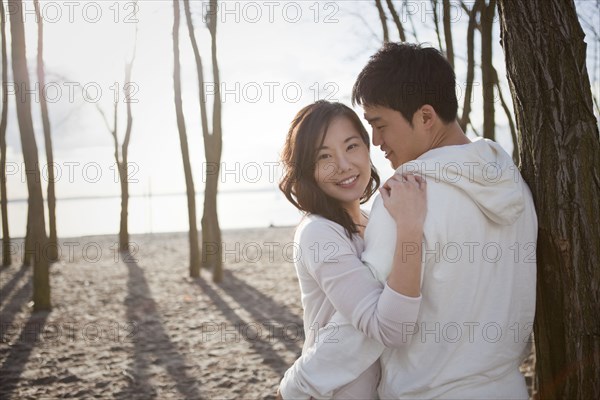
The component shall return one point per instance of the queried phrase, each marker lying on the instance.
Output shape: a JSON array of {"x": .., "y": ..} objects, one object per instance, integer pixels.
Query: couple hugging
[{"x": 433, "y": 294}]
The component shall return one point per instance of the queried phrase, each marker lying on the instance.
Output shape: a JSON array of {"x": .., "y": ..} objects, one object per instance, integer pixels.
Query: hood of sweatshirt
[{"x": 483, "y": 170}]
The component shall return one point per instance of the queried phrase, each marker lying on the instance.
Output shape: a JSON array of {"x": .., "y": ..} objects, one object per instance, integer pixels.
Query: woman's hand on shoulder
[{"x": 405, "y": 198}]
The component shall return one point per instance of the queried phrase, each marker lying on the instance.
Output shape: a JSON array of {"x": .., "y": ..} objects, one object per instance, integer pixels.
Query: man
[{"x": 479, "y": 275}]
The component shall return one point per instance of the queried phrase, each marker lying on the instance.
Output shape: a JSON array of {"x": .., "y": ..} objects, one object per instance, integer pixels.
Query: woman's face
[{"x": 343, "y": 166}]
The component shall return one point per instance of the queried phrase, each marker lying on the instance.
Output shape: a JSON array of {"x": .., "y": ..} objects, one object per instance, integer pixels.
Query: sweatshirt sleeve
[
  {"x": 340, "y": 355},
  {"x": 372, "y": 307},
  {"x": 380, "y": 241}
]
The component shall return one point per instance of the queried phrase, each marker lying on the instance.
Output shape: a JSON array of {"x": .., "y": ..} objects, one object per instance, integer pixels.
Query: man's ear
[{"x": 427, "y": 116}]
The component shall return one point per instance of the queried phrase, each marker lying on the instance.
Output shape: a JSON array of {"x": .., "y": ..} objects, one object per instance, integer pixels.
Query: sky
[{"x": 274, "y": 56}]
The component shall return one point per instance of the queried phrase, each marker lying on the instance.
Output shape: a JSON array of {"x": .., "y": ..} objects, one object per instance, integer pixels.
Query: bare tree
[
  {"x": 436, "y": 23},
  {"x": 122, "y": 155},
  {"x": 211, "y": 232},
  {"x": 37, "y": 234},
  {"x": 588, "y": 14},
  {"x": 209, "y": 218},
  {"x": 383, "y": 19},
  {"x": 559, "y": 147},
  {"x": 52, "y": 246},
  {"x": 466, "y": 109},
  {"x": 410, "y": 19},
  {"x": 28, "y": 251},
  {"x": 397, "y": 21},
  {"x": 6, "y": 258},
  {"x": 185, "y": 154},
  {"x": 511, "y": 124},
  {"x": 487, "y": 74},
  {"x": 448, "y": 32}
]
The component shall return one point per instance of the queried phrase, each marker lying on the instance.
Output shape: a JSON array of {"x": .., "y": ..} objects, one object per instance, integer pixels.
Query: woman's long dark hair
[{"x": 307, "y": 132}]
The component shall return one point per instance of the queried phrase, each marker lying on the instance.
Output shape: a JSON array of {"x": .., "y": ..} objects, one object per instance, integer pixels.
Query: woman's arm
[
  {"x": 340, "y": 355},
  {"x": 337, "y": 361},
  {"x": 372, "y": 307},
  {"x": 382, "y": 312}
]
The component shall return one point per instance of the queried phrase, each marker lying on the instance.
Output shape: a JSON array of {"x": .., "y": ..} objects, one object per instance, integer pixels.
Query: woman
[{"x": 328, "y": 174}]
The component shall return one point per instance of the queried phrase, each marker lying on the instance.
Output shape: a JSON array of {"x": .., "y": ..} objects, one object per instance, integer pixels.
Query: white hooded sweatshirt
[{"x": 478, "y": 286}]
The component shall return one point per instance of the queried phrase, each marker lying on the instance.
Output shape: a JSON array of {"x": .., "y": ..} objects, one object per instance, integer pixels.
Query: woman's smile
[{"x": 349, "y": 182}]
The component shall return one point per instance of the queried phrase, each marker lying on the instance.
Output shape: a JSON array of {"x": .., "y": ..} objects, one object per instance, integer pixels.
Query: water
[{"x": 159, "y": 213}]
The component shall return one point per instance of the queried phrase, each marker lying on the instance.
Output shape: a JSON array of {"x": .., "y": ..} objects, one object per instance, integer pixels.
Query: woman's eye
[
  {"x": 381, "y": 127},
  {"x": 352, "y": 146},
  {"x": 323, "y": 156}
]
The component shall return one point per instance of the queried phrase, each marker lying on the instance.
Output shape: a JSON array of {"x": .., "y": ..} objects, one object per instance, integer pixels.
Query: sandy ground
[{"x": 137, "y": 327}]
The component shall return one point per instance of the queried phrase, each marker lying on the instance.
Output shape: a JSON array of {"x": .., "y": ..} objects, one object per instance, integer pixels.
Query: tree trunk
[
  {"x": 6, "y": 258},
  {"x": 41, "y": 279},
  {"x": 511, "y": 124},
  {"x": 405, "y": 4},
  {"x": 123, "y": 226},
  {"x": 211, "y": 232},
  {"x": 487, "y": 75},
  {"x": 123, "y": 232},
  {"x": 397, "y": 21},
  {"x": 436, "y": 23},
  {"x": 28, "y": 242},
  {"x": 121, "y": 157},
  {"x": 210, "y": 220},
  {"x": 466, "y": 109},
  {"x": 383, "y": 20},
  {"x": 210, "y": 216},
  {"x": 124, "y": 164},
  {"x": 448, "y": 32},
  {"x": 560, "y": 159},
  {"x": 52, "y": 246},
  {"x": 187, "y": 167}
]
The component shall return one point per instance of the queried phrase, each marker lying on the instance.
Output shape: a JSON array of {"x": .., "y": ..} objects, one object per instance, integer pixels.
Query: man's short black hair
[{"x": 406, "y": 76}]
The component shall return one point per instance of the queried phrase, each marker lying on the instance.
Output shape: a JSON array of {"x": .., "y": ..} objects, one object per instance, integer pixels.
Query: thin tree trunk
[
  {"x": 121, "y": 156},
  {"x": 436, "y": 22},
  {"x": 559, "y": 147},
  {"x": 487, "y": 76},
  {"x": 123, "y": 167},
  {"x": 211, "y": 232},
  {"x": 210, "y": 216},
  {"x": 511, "y": 124},
  {"x": 122, "y": 171},
  {"x": 123, "y": 225},
  {"x": 466, "y": 109},
  {"x": 28, "y": 252},
  {"x": 41, "y": 279},
  {"x": 410, "y": 19},
  {"x": 6, "y": 258},
  {"x": 187, "y": 167},
  {"x": 397, "y": 21},
  {"x": 52, "y": 246},
  {"x": 383, "y": 20},
  {"x": 448, "y": 32}
]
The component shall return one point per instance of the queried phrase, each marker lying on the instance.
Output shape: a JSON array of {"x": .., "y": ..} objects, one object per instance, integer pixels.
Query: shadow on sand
[
  {"x": 261, "y": 308},
  {"x": 152, "y": 345}
]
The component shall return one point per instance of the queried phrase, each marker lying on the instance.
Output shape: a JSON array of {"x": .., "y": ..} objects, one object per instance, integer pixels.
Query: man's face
[{"x": 400, "y": 141}]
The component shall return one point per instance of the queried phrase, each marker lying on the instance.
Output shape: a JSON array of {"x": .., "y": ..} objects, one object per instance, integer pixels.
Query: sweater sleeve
[
  {"x": 372, "y": 307},
  {"x": 339, "y": 356}
]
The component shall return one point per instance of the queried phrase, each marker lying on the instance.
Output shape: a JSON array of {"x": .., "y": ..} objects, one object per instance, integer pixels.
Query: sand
[{"x": 137, "y": 327}]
